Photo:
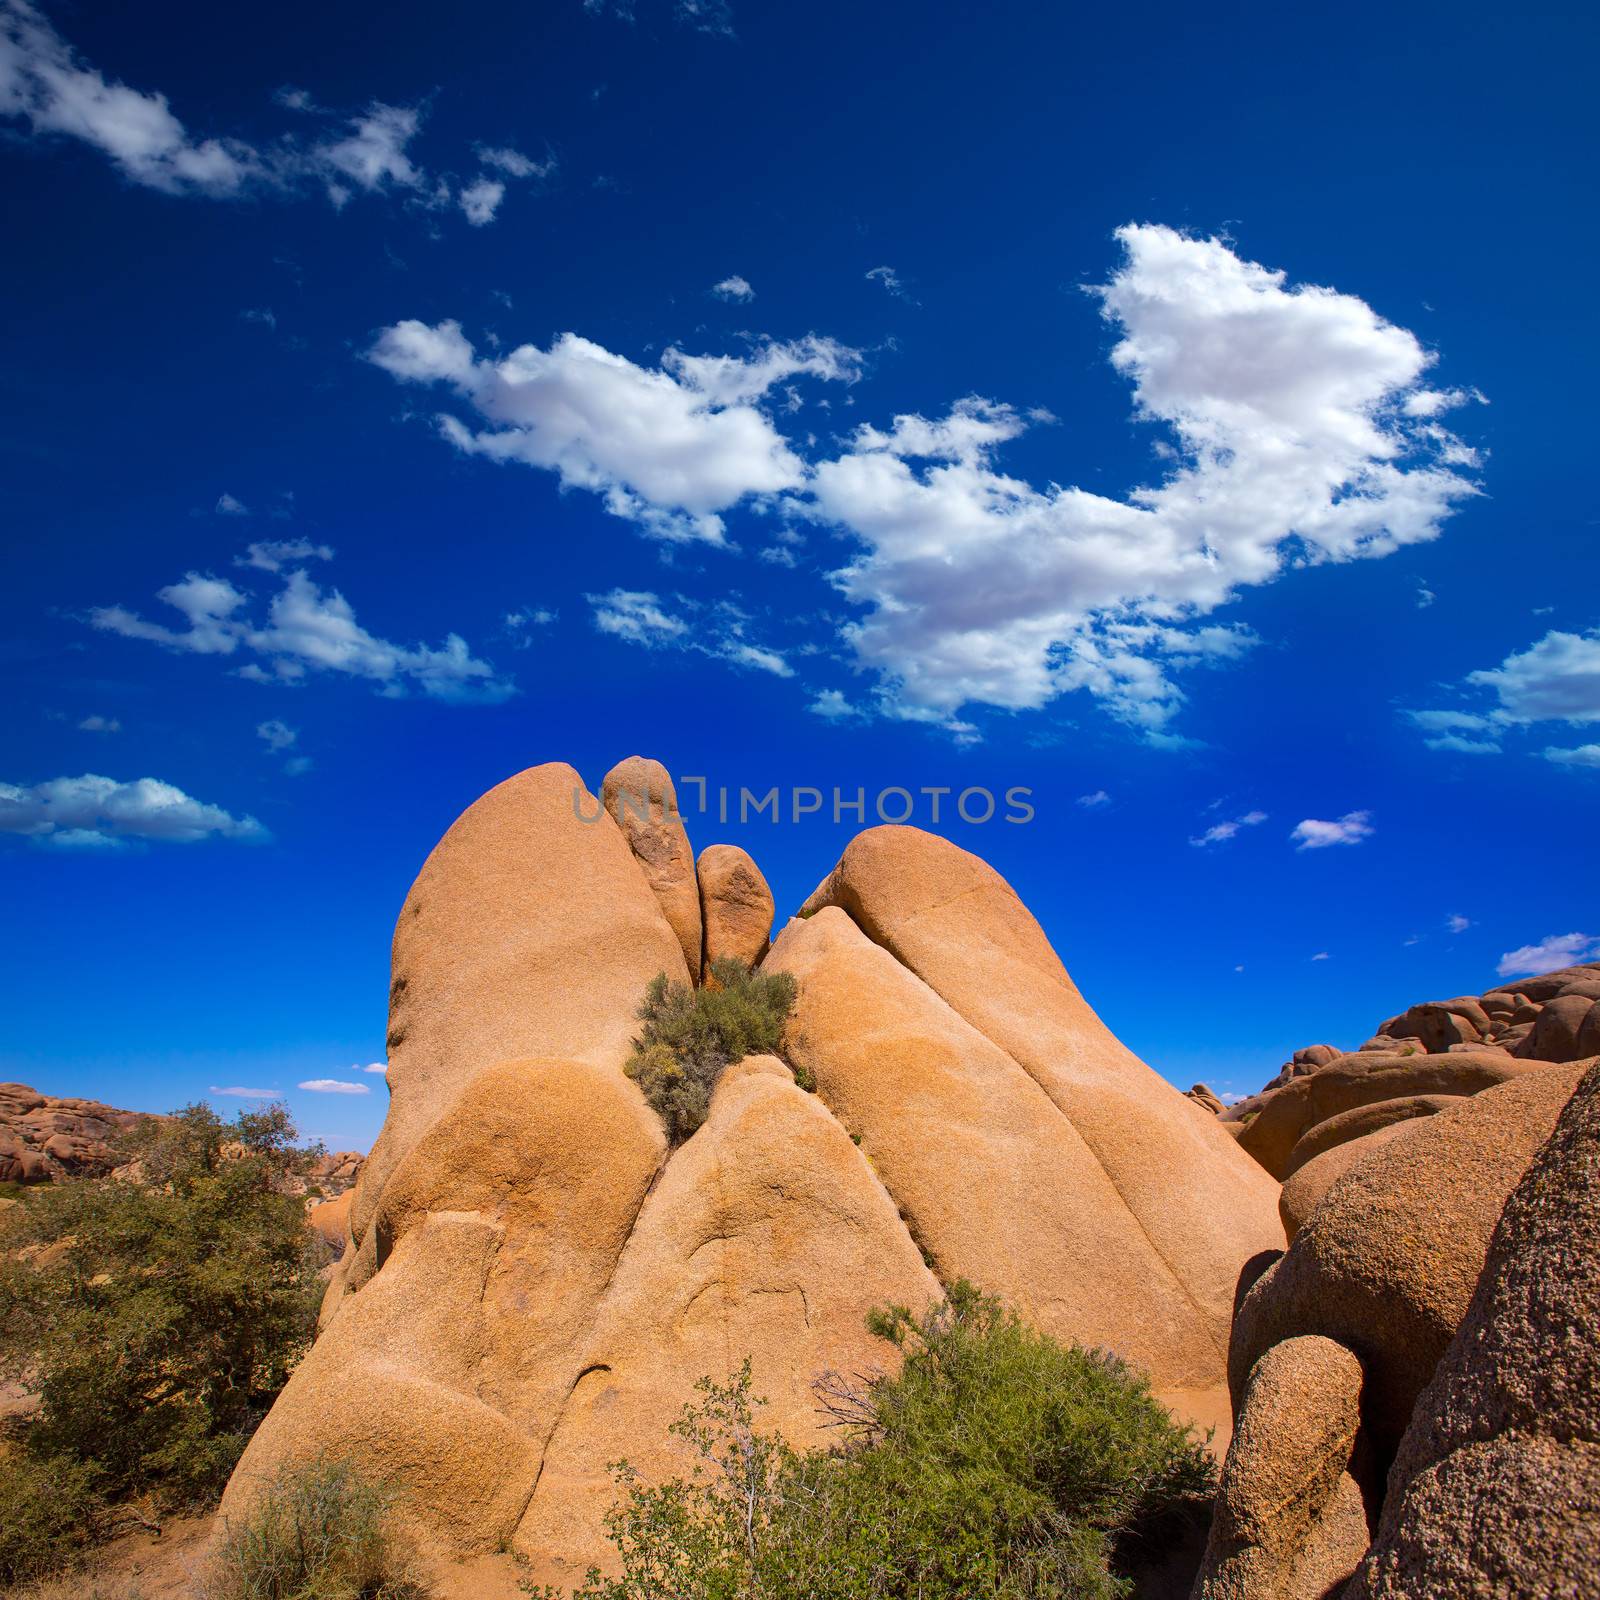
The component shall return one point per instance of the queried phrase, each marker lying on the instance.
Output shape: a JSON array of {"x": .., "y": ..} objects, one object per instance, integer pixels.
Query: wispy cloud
[
  {"x": 642, "y": 618},
  {"x": 734, "y": 288},
  {"x": 335, "y": 1086},
  {"x": 1222, "y": 831}
]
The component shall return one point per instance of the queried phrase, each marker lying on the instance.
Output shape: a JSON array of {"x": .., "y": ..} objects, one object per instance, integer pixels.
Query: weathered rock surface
[
  {"x": 994, "y": 1181},
  {"x": 1496, "y": 1487},
  {"x": 639, "y": 793},
  {"x": 528, "y": 933},
  {"x": 1387, "y": 1263},
  {"x": 736, "y": 905},
  {"x": 48, "y": 1138},
  {"x": 955, "y": 923},
  {"x": 1358, "y": 1122},
  {"x": 1303, "y": 1190},
  {"x": 1289, "y": 1522},
  {"x": 768, "y": 1237},
  {"x": 1203, "y": 1095}
]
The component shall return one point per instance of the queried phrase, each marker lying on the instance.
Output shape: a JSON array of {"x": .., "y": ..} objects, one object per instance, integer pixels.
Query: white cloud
[
  {"x": 92, "y": 812},
  {"x": 1458, "y": 923},
  {"x": 1351, "y": 828},
  {"x": 1425, "y": 597},
  {"x": 481, "y": 199},
  {"x": 1585, "y": 755},
  {"x": 241, "y": 1093},
  {"x": 1555, "y": 680},
  {"x": 273, "y": 555},
  {"x": 668, "y": 448},
  {"x": 1226, "y": 830},
  {"x": 1321, "y": 955},
  {"x": 1553, "y": 952},
  {"x": 335, "y": 1086},
  {"x": 306, "y": 630},
  {"x": 1093, "y": 802},
  {"x": 99, "y": 724},
  {"x": 733, "y": 288},
  {"x": 641, "y": 618},
  {"x": 372, "y": 155},
  {"x": 1293, "y": 448},
  {"x": 376, "y": 1066},
  {"x": 832, "y": 706},
  {"x": 276, "y": 735},
  {"x": 227, "y": 506},
  {"x": 43, "y": 82}
]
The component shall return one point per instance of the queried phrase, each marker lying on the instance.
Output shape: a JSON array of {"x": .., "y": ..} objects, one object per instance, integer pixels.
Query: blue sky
[{"x": 1182, "y": 418}]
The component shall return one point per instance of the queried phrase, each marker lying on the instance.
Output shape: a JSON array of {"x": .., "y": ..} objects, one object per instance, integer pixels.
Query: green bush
[
  {"x": 316, "y": 1532},
  {"x": 49, "y": 1511},
  {"x": 691, "y": 1035},
  {"x": 157, "y": 1316},
  {"x": 997, "y": 1463}
]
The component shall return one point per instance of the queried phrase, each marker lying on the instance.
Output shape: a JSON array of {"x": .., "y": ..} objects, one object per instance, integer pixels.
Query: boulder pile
[
  {"x": 47, "y": 1138},
  {"x": 537, "y": 1281},
  {"x": 1379, "y": 1279},
  {"x": 1417, "y": 1365}
]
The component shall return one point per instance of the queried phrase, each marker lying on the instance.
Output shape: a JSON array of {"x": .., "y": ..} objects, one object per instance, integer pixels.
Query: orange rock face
[{"x": 735, "y": 904}]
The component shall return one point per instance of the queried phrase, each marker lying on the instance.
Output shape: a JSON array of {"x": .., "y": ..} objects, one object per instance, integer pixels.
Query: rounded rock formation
[
  {"x": 1386, "y": 1264},
  {"x": 736, "y": 905},
  {"x": 1290, "y": 1523},
  {"x": 639, "y": 794}
]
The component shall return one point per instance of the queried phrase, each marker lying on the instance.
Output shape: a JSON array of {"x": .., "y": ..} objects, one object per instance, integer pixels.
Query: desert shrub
[
  {"x": 315, "y": 1532},
  {"x": 49, "y": 1511},
  {"x": 997, "y": 1463},
  {"x": 691, "y": 1035},
  {"x": 157, "y": 1316}
]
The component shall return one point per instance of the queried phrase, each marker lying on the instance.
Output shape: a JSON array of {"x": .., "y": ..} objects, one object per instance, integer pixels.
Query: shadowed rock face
[
  {"x": 1496, "y": 1488},
  {"x": 537, "y": 1282}
]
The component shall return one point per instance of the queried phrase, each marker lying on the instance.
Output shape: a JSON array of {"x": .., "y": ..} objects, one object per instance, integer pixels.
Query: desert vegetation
[
  {"x": 319, "y": 1531},
  {"x": 996, "y": 1462},
  {"x": 155, "y": 1314},
  {"x": 690, "y": 1036}
]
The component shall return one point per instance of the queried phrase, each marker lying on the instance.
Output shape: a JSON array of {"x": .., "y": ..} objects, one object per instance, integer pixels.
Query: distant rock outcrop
[
  {"x": 47, "y": 1138},
  {"x": 537, "y": 1280}
]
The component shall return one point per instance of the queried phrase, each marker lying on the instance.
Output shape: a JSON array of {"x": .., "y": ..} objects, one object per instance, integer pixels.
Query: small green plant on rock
[
  {"x": 690, "y": 1036},
  {"x": 318, "y": 1531}
]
